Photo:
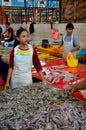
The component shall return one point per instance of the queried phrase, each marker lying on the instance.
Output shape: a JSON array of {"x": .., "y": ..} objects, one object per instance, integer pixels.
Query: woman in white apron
[
  {"x": 68, "y": 46},
  {"x": 70, "y": 41},
  {"x": 22, "y": 75},
  {"x": 22, "y": 58}
]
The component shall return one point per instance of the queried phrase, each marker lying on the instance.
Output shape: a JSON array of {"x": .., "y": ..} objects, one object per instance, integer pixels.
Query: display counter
[
  {"x": 53, "y": 51},
  {"x": 58, "y": 67},
  {"x": 26, "y": 100}
]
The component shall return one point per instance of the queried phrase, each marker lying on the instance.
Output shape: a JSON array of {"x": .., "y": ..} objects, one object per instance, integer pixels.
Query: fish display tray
[
  {"x": 26, "y": 100},
  {"x": 70, "y": 115}
]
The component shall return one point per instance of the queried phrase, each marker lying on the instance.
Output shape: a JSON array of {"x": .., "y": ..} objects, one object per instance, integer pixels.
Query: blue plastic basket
[{"x": 81, "y": 52}]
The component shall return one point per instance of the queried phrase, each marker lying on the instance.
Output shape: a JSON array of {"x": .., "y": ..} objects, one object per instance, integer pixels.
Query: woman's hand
[
  {"x": 45, "y": 81},
  {"x": 42, "y": 78},
  {"x": 71, "y": 87},
  {"x": 6, "y": 86},
  {"x": 73, "y": 50}
]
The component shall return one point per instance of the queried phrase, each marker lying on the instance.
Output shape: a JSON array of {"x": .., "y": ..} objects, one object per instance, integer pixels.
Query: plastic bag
[{"x": 71, "y": 61}]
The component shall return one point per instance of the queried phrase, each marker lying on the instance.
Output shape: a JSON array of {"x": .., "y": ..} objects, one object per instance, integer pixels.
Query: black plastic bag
[{"x": 45, "y": 43}]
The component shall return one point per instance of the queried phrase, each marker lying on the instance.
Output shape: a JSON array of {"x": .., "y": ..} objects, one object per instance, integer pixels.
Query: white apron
[
  {"x": 22, "y": 75},
  {"x": 68, "y": 46}
]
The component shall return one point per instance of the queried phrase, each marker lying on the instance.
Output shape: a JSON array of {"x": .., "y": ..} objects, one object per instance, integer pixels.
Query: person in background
[
  {"x": 51, "y": 25},
  {"x": 3, "y": 66},
  {"x": 55, "y": 35},
  {"x": 31, "y": 27},
  {"x": 78, "y": 86},
  {"x": 22, "y": 57},
  {"x": 1, "y": 31},
  {"x": 9, "y": 32},
  {"x": 23, "y": 23},
  {"x": 70, "y": 41}
]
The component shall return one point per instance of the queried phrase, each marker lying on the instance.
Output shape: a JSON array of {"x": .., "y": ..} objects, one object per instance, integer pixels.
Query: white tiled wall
[{"x": 44, "y": 31}]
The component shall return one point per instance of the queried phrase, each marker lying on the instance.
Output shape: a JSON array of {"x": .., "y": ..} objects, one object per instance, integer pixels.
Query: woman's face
[
  {"x": 24, "y": 37},
  {"x": 69, "y": 31}
]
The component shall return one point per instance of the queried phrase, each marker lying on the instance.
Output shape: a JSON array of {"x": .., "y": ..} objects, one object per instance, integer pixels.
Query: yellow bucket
[{"x": 71, "y": 61}]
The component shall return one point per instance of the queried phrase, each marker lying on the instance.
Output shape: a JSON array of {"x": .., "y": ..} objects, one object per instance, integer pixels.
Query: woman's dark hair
[
  {"x": 20, "y": 30},
  {"x": 18, "y": 33},
  {"x": 16, "y": 43},
  {"x": 69, "y": 26}
]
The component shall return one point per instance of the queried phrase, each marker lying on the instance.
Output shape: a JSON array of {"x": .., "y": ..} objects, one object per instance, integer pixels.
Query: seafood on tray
[
  {"x": 19, "y": 101},
  {"x": 55, "y": 75},
  {"x": 70, "y": 115}
]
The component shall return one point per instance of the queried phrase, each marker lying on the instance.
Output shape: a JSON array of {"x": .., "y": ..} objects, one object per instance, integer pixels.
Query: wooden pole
[
  {"x": 25, "y": 6},
  {"x": 60, "y": 7}
]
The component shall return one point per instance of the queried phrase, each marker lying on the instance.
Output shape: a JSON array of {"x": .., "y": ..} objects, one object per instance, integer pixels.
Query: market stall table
[
  {"x": 46, "y": 53},
  {"x": 52, "y": 50},
  {"x": 46, "y": 57},
  {"x": 4, "y": 54},
  {"x": 28, "y": 99},
  {"x": 79, "y": 72},
  {"x": 4, "y": 51}
]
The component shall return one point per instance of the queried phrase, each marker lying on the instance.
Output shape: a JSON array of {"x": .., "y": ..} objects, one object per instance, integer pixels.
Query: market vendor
[
  {"x": 55, "y": 35},
  {"x": 70, "y": 41},
  {"x": 8, "y": 35},
  {"x": 22, "y": 57},
  {"x": 9, "y": 32},
  {"x": 1, "y": 31}
]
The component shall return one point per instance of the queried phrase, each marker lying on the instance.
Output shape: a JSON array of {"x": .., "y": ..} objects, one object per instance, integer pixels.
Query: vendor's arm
[
  {"x": 8, "y": 78},
  {"x": 42, "y": 77},
  {"x": 37, "y": 65},
  {"x": 76, "y": 43},
  {"x": 77, "y": 86},
  {"x": 10, "y": 69},
  {"x": 5, "y": 31},
  {"x": 60, "y": 45},
  {"x": 10, "y": 33},
  {"x": 76, "y": 48}
]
